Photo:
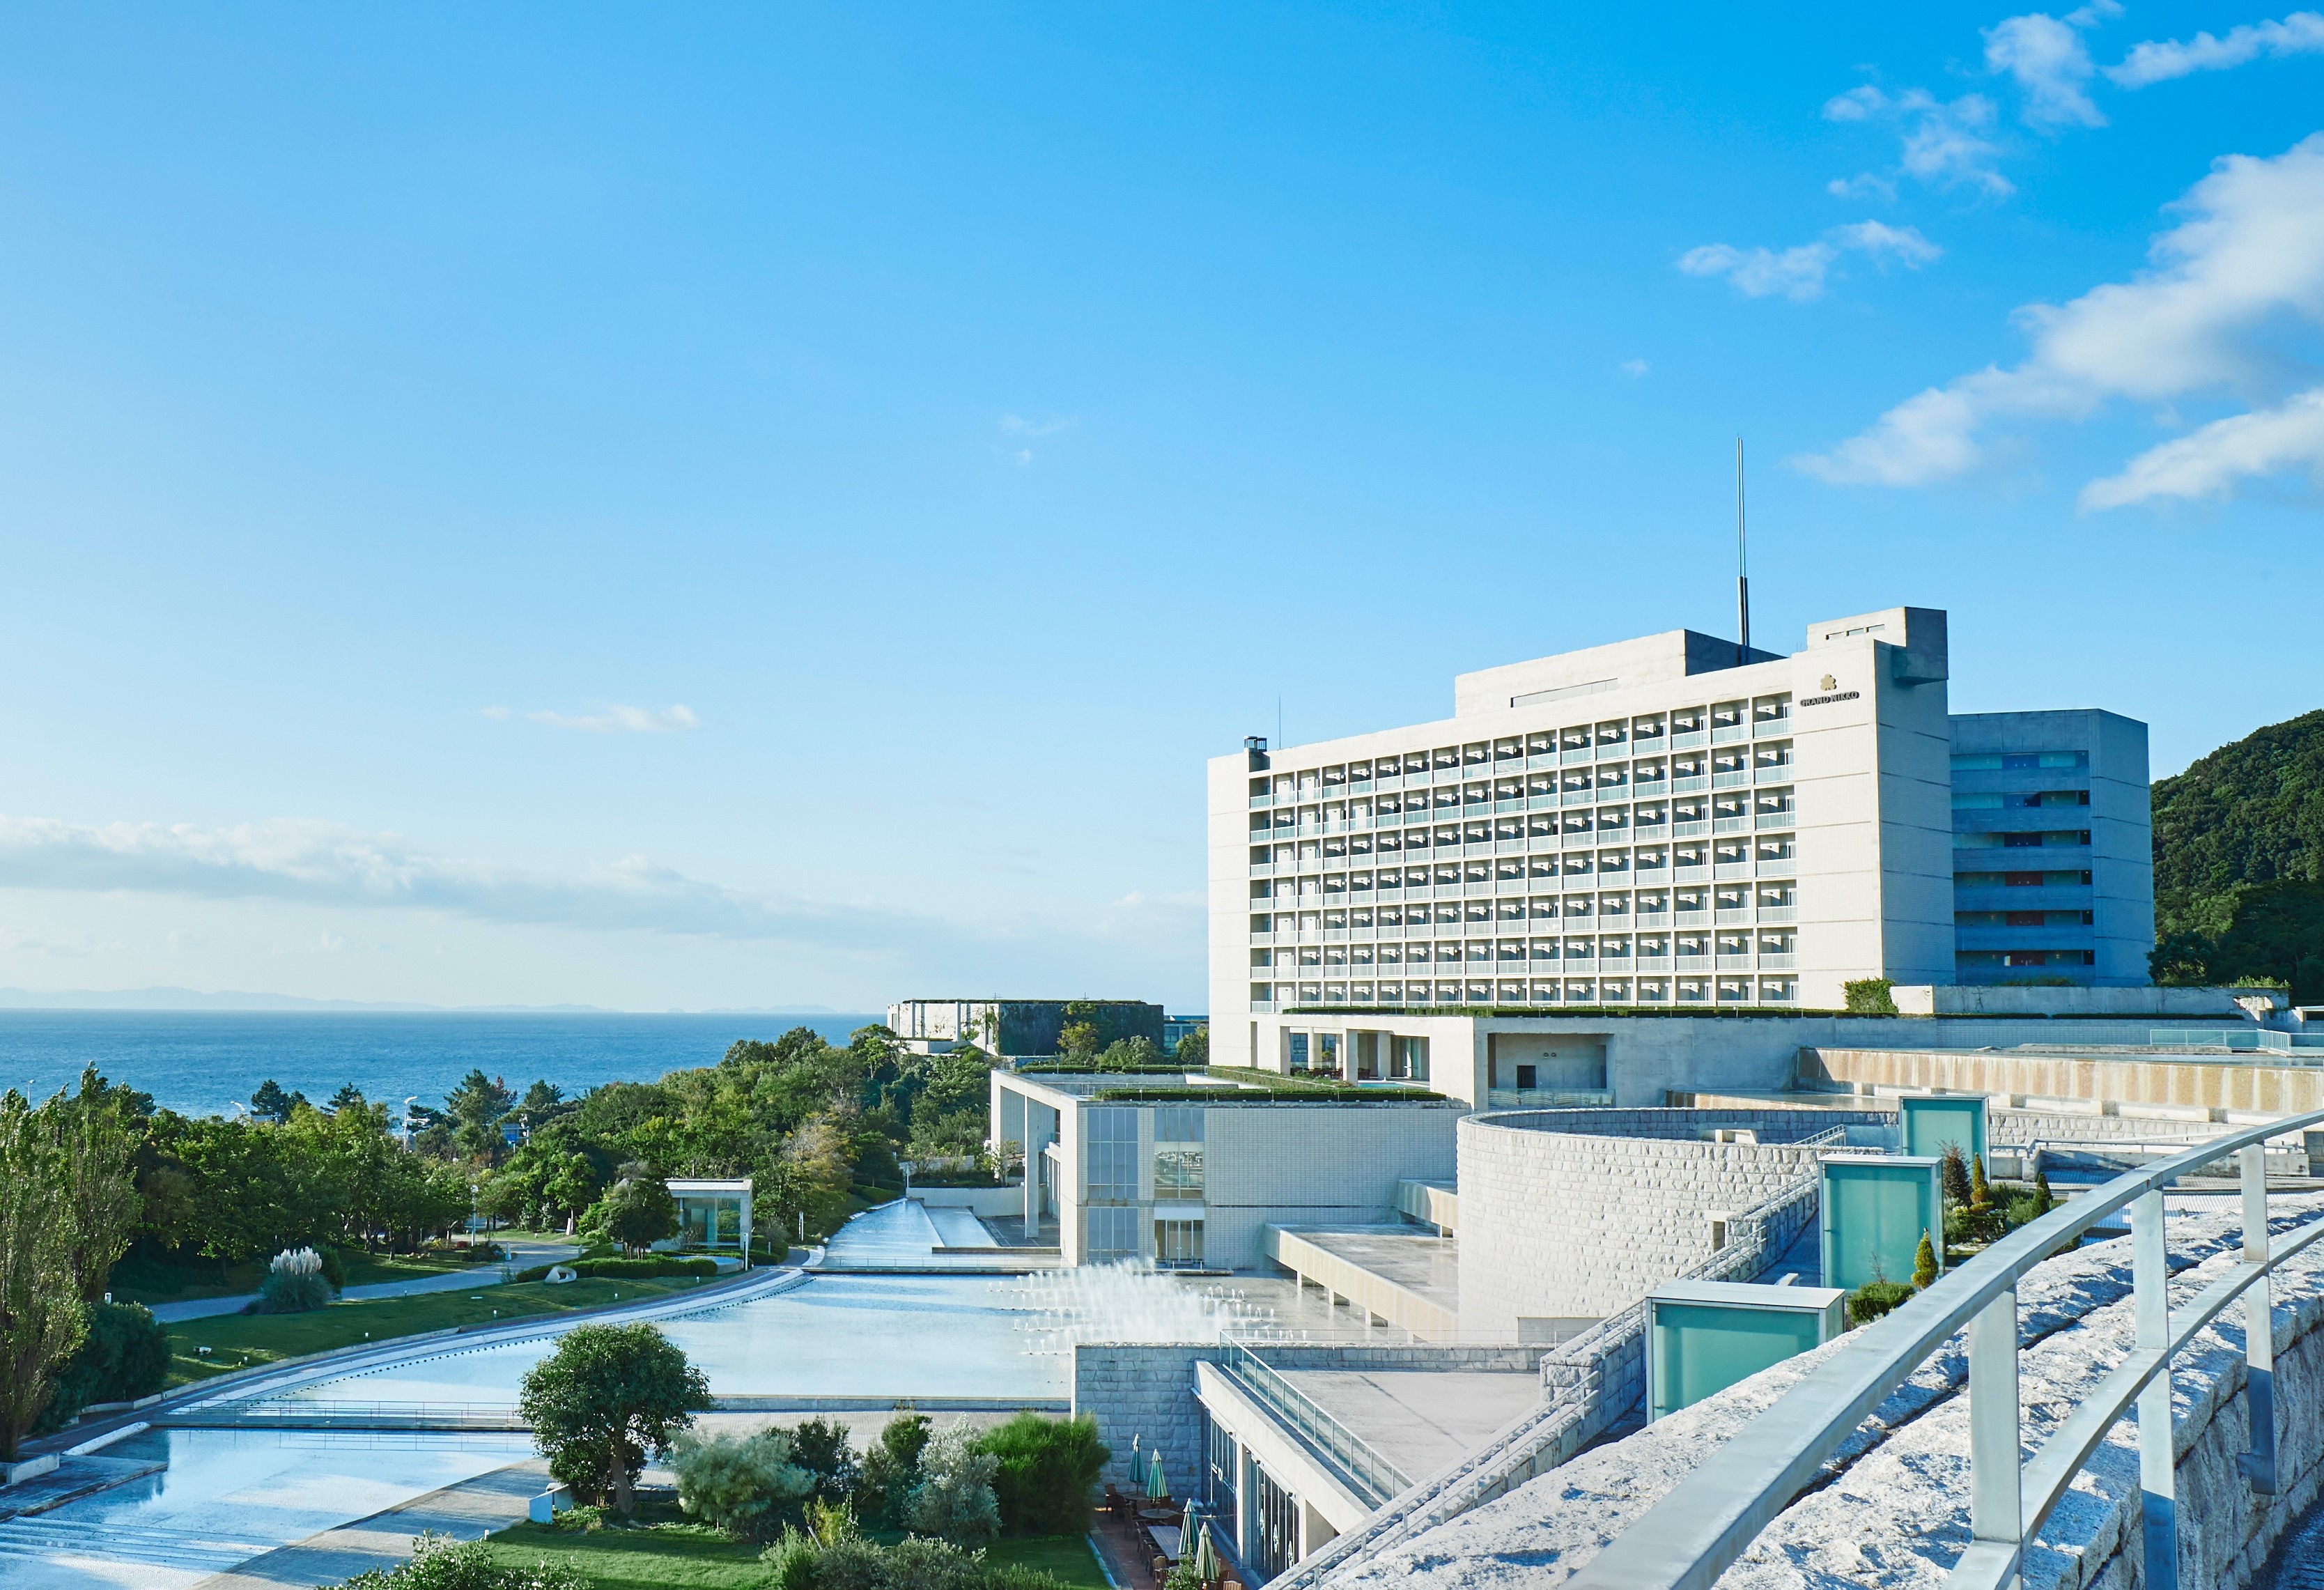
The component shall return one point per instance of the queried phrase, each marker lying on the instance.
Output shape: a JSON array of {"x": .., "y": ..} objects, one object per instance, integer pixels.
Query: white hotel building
[{"x": 1666, "y": 824}]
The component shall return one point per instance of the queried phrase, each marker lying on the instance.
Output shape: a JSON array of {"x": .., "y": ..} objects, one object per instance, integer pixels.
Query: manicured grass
[
  {"x": 1068, "y": 1556},
  {"x": 657, "y": 1555},
  {"x": 664, "y": 1552},
  {"x": 236, "y": 1339},
  {"x": 138, "y": 1281}
]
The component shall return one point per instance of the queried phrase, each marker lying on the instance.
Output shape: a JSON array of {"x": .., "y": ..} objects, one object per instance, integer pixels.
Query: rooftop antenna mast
[{"x": 1742, "y": 573}]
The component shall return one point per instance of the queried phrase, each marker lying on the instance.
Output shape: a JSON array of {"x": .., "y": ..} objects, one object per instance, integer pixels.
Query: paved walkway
[
  {"x": 469, "y": 1512},
  {"x": 523, "y": 1254}
]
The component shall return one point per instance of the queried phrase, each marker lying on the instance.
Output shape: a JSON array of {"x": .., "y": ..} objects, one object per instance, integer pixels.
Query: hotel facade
[{"x": 1670, "y": 824}]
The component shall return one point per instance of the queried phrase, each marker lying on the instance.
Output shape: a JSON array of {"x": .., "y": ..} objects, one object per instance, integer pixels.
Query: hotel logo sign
[{"x": 1831, "y": 693}]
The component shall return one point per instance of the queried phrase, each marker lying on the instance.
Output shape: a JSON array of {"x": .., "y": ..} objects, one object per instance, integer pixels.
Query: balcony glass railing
[
  {"x": 1689, "y": 740},
  {"x": 1779, "y": 913},
  {"x": 1722, "y": 733},
  {"x": 1692, "y": 783},
  {"x": 1729, "y": 825},
  {"x": 1731, "y": 778},
  {"x": 1776, "y": 819}
]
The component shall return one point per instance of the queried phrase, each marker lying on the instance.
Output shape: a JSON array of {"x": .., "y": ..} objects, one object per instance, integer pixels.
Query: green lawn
[
  {"x": 676, "y": 1554},
  {"x": 136, "y": 1281},
  {"x": 236, "y": 1339}
]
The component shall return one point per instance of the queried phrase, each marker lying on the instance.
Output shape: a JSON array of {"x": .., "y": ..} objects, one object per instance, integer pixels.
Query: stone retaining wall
[{"x": 1583, "y": 1212}]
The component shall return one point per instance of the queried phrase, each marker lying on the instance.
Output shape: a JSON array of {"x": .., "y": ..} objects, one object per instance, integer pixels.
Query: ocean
[{"x": 200, "y": 1062}]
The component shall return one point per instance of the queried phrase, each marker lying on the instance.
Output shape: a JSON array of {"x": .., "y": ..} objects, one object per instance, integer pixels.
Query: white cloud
[
  {"x": 1799, "y": 273},
  {"x": 1015, "y": 426},
  {"x": 617, "y": 719},
  {"x": 1635, "y": 369},
  {"x": 2207, "y": 319},
  {"x": 1863, "y": 185},
  {"x": 322, "y": 864},
  {"x": 2212, "y": 461},
  {"x": 497, "y": 714},
  {"x": 1943, "y": 143},
  {"x": 2159, "y": 60},
  {"x": 2051, "y": 65}
]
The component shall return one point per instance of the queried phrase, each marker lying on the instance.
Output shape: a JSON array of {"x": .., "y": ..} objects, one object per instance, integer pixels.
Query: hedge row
[{"x": 659, "y": 1266}]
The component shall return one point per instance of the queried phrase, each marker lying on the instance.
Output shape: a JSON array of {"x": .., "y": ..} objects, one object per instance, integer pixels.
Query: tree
[
  {"x": 543, "y": 1102},
  {"x": 270, "y": 1103},
  {"x": 740, "y": 1485},
  {"x": 1077, "y": 1040},
  {"x": 40, "y": 1315},
  {"x": 1925, "y": 1265},
  {"x": 349, "y": 1096},
  {"x": 475, "y": 1107},
  {"x": 637, "y": 1211},
  {"x": 1129, "y": 1054},
  {"x": 1194, "y": 1049},
  {"x": 124, "y": 1356},
  {"x": 1048, "y": 1475},
  {"x": 954, "y": 1500},
  {"x": 92, "y": 1131},
  {"x": 607, "y": 1398}
]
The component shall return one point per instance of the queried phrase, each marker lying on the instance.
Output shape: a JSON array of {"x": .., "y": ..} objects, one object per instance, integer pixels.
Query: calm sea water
[{"x": 197, "y": 1062}]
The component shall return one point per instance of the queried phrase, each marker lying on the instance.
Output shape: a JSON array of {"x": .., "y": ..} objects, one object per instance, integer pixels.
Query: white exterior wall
[{"x": 1563, "y": 1224}]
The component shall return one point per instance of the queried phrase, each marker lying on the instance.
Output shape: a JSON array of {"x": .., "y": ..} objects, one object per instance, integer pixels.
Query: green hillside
[{"x": 2239, "y": 864}]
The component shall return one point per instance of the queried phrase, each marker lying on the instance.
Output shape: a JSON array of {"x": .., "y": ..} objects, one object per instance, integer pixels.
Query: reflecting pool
[{"x": 229, "y": 1496}]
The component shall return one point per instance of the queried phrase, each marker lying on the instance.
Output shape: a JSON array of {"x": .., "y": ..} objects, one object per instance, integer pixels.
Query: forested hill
[{"x": 2239, "y": 862}]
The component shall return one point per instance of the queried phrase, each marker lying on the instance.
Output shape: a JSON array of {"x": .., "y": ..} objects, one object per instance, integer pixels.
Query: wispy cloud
[
  {"x": 1021, "y": 429},
  {"x": 2207, "y": 319},
  {"x": 1799, "y": 273},
  {"x": 2050, "y": 63},
  {"x": 1947, "y": 144},
  {"x": 618, "y": 719},
  {"x": 2159, "y": 60},
  {"x": 1635, "y": 369},
  {"x": 322, "y": 864}
]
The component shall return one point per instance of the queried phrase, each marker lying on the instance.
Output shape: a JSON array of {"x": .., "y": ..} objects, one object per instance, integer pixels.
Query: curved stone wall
[{"x": 1580, "y": 1212}]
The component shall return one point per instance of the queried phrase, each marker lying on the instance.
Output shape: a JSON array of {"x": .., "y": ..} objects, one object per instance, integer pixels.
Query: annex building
[{"x": 1670, "y": 824}]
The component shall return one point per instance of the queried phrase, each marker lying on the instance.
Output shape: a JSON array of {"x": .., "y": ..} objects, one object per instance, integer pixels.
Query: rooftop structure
[{"x": 1014, "y": 1027}]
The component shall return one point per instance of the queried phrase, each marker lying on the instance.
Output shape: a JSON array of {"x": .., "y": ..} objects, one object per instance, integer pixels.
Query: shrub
[
  {"x": 1954, "y": 1172},
  {"x": 294, "y": 1283},
  {"x": 1874, "y": 1298},
  {"x": 1980, "y": 1192},
  {"x": 124, "y": 1356},
  {"x": 891, "y": 1469},
  {"x": 1048, "y": 1472},
  {"x": 1870, "y": 996},
  {"x": 802, "y": 1560},
  {"x": 439, "y": 1562},
  {"x": 740, "y": 1485},
  {"x": 2022, "y": 1211},
  {"x": 954, "y": 1498},
  {"x": 1925, "y": 1265},
  {"x": 821, "y": 1446}
]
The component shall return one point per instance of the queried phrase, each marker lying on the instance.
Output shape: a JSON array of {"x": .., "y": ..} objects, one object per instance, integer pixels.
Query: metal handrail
[
  {"x": 1690, "y": 1537},
  {"x": 1382, "y": 1479}
]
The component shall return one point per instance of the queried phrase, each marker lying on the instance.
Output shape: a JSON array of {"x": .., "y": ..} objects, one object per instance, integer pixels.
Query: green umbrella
[
  {"x": 1156, "y": 1487},
  {"x": 1137, "y": 1462},
  {"x": 1206, "y": 1561}
]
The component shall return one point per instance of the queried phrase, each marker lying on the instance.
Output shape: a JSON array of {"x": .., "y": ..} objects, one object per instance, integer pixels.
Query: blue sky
[{"x": 734, "y": 505}]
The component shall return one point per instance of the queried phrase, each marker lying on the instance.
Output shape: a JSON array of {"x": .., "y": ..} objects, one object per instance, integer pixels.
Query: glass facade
[{"x": 2024, "y": 909}]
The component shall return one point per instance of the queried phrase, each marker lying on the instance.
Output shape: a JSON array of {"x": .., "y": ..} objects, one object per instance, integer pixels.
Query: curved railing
[
  {"x": 1689, "y": 1537},
  {"x": 1550, "y": 1435}
]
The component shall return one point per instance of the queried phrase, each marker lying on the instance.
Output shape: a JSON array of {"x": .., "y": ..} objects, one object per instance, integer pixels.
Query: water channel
[{"x": 226, "y": 1495}]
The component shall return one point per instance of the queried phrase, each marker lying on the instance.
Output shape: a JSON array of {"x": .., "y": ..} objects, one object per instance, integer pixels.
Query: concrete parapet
[{"x": 2221, "y": 1087}]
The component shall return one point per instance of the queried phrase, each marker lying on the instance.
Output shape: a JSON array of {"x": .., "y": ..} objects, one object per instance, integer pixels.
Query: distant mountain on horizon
[{"x": 238, "y": 1000}]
